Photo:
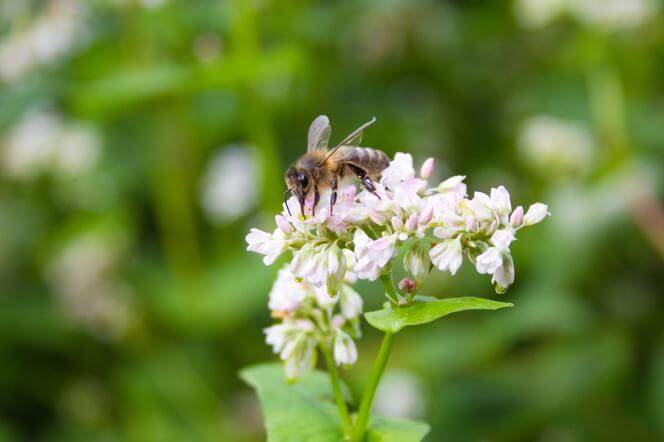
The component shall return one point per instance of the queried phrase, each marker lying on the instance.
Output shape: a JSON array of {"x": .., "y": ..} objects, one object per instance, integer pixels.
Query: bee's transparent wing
[
  {"x": 319, "y": 133},
  {"x": 353, "y": 138}
]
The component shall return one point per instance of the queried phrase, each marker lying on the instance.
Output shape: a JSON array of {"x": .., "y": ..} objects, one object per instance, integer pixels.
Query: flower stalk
[
  {"x": 363, "y": 414},
  {"x": 346, "y": 425}
]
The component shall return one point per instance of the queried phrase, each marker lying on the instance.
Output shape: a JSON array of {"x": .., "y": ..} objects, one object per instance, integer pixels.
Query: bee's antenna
[{"x": 287, "y": 192}]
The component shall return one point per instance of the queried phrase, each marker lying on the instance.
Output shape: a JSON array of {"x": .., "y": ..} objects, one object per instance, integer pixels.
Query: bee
[{"x": 320, "y": 168}]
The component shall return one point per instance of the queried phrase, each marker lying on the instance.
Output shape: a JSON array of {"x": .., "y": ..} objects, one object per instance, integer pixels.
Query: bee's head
[{"x": 299, "y": 183}]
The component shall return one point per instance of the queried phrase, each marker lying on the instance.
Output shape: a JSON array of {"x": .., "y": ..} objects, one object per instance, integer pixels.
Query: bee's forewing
[{"x": 319, "y": 133}]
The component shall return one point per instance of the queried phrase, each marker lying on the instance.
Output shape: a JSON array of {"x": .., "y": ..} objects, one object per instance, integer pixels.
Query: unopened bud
[
  {"x": 536, "y": 213},
  {"x": 397, "y": 223},
  {"x": 416, "y": 262},
  {"x": 516, "y": 219},
  {"x": 492, "y": 227},
  {"x": 426, "y": 214},
  {"x": 411, "y": 222},
  {"x": 336, "y": 269},
  {"x": 427, "y": 169},
  {"x": 407, "y": 285}
]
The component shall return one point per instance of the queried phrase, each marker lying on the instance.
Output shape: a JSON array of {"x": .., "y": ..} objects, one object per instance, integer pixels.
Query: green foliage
[
  {"x": 305, "y": 410},
  {"x": 393, "y": 319}
]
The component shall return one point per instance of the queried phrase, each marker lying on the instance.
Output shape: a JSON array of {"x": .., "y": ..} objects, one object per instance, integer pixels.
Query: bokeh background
[{"x": 140, "y": 140}]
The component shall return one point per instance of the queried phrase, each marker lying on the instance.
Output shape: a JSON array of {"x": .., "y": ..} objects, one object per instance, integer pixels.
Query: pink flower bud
[
  {"x": 516, "y": 219},
  {"x": 411, "y": 222},
  {"x": 283, "y": 224},
  {"x": 407, "y": 285},
  {"x": 427, "y": 169},
  {"x": 426, "y": 214},
  {"x": 492, "y": 227},
  {"x": 396, "y": 223}
]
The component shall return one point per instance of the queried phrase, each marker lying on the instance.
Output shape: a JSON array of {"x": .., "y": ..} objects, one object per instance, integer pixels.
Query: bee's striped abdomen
[{"x": 372, "y": 161}]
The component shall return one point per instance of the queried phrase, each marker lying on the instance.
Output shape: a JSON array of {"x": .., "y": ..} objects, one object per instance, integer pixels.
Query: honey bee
[{"x": 320, "y": 168}]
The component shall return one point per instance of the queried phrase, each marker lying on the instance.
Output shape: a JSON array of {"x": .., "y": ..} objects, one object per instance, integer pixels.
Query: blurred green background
[{"x": 140, "y": 140}]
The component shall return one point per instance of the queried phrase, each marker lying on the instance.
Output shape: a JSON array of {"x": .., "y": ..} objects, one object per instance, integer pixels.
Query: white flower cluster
[
  {"x": 42, "y": 141},
  {"x": 607, "y": 15},
  {"x": 50, "y": 36},
  {"x": 359, "y": 238},
  {"x": 229, "y": 187},
  {"x": 556, "y": 146},
  {"x": 311, "y": 318}
]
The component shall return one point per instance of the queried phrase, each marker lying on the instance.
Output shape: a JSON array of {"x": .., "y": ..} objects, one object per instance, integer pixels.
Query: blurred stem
[
  {"x": 346, "y": 424},
  {"x": 608, "y": 110},
  {"x": 362, "y": 420},
  {"x": 256, "y": 115},
  {"x": 172, "y": 192}
]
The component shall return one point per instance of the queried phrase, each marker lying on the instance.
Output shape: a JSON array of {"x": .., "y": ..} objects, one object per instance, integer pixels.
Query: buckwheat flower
[
  {"x": 286, "y": 294},
  {"x": 336, "y": 269},
  {"x": 350, "y": 302},
  {"x": 345, "y": 352},
  {"x": 447, "y": 255},
  {"x": 500, "y": 202},
  {"x": 270, "y": 245},
  {"x": 416, "y": 262},
  {"x": 516, "y": 218},
  {"x": 535, "y": 214},
  {"x": 399, "y": 170},
  {"x": 301, "y": 358},
  {"x": 426, "y": 170},
  {"x": 454, "y": 187},
  {"x": 497, "y": 260},
  {"x": 480, "y": 207},
  {"x": 372, "y": 255}
]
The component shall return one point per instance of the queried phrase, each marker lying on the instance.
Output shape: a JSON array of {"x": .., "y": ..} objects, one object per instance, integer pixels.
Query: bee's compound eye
[{"x": 303, "y": 179}]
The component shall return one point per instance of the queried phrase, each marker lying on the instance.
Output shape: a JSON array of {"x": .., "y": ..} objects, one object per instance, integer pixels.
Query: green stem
[
  {"x": 362, "y": 420},
  {"x": 346, "y": 424},
  {"x": 390, "y": 289}
]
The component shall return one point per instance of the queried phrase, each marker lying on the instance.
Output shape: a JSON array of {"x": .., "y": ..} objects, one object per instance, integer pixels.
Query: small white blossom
[
  {"x": 270, "y": 245},
  {"x": 516, "y": 218},
  {"x": 372, "y": 255},
  {"x": 43, "y": 141},
  {"x": 286, "y": 294},
  {"x": 345, "y": 352},
  {"x": 426, "y": 170},
  {"x": 536, "y": 213},
  {"x": 53, "y": 34},
  {"x": 447, "y": 255},
  {"x": 416, "y": 261},
  {"x": 351, "y": 303},
  {"x": 229, "y": 187}
]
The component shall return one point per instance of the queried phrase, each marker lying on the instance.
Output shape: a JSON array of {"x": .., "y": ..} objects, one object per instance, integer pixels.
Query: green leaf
[
  {"x": 301, "y": 411},
  {"x": 394, "y": 319},
  {"x": 382, "y": 429},
  {"x": 304, "y": 410}
]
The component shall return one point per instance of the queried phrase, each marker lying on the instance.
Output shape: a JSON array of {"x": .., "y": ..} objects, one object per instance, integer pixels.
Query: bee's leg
[
  {"x": 316, "y": 199},
  {"x": 367, "y": 182},
  {"x": 333, "y": 197}
]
